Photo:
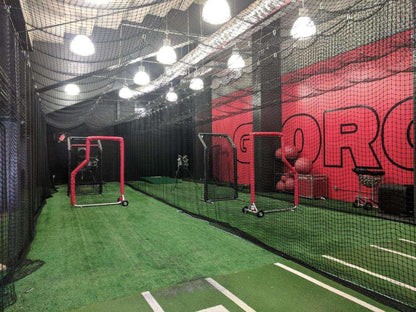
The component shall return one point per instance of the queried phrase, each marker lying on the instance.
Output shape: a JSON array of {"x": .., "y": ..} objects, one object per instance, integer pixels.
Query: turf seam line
[
  {"x": 371, "y": 273},
  {"x": 152, "y": 302},
  {"x": 116, "y": 237},
  {"x": 330, "y": 288},
  {"x": 394, "y": 252},
  {"x": 407, "y": 241},
  {"x": 230, "y": 295}
]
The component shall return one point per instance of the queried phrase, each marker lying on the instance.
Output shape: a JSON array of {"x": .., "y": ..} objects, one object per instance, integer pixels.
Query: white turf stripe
[
  {"x": 371, "y": 273},
  {"x": 330, "y": 288},
  {"x": 230, "y": 295},
  {"x": 407, "y": 241},
  {"x": 395, "y": 252},
  {"x": 219, "y": 308},
  {"x": 152, "y": 302}
]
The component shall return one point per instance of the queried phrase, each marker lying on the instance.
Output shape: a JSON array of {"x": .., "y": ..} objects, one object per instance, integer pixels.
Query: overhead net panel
[{"x": 220, "y": 167}]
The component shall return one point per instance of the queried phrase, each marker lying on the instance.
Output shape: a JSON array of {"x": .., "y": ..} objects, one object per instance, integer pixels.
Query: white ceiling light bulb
[
  {"x": 82, "y": 45},
  {"x": 141, "y": 111},
  {"x": 196, "y": 84},
  {"x": 216, "y": 12},
  {"x": 141, "y": 78},
  {"x": 166, "y": 55},
  {"x": 236, "y": 62},
  {"x": 125, "y": 93},
  {"x": 72, "y": 89},
  {"x": 304, "y": 27},
  {"x": 171, "y": 96}
]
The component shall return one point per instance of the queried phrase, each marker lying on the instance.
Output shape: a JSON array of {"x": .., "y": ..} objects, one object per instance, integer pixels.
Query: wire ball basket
[
  {"x": 369, "y": 180},
  {"x": 369, "y": 177}
]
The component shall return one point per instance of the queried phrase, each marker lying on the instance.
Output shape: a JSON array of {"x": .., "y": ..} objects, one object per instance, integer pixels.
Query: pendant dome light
[
  {"x": 304, "y": 27},
  {"x": 216, "y": 12},
  {"x": 236, "y": 62},
  {"x": 171, "y": 96},
  {"x": 196, "y": 84},
  {"x": 141, "y": 78},
  {"x": 166, "y": 55},
  {"x": 72, "y": 89},
  {"x": 125, "y": 93},
  {"x": 82, "y": 45}
]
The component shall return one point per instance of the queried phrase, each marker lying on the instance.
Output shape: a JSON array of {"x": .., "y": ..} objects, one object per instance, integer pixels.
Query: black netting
[
  {"x": 220, "y": 167},
  {"x": 90, "y": 179},
  {"x": 342, "y": 97},
  {"x": 24, "y": 180},
  {"x": 344, "y": 102}
]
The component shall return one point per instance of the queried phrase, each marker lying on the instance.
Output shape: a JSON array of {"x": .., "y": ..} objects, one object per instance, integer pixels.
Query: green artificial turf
[
  {"x": 271, "y": 288},
  {"x": 126, "y": 304},
  {"x": 161, "y": 180},
  {"x": 310, "y": 232},
  {"x": 266, "y": 288},
  {"x": 192, "y": 296},
  {"x": 95, "y": 254}
]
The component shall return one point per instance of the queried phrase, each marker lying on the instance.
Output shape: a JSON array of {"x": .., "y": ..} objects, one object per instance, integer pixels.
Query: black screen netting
[
  {"x": 344, "y": 102},
  {"x": 24, "y": 180},
  {"x": 90, "y": 179},
  {"x": 220, "y": 167},
  {"x": 339, "y": 91}
]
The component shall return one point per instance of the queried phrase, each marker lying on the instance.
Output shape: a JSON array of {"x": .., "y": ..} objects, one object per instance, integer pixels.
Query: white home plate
[{"x": 219, "y": 308}]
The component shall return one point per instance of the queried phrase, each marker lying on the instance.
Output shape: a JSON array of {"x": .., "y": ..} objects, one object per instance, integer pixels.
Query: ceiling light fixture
[
  {"x": 196, "y": 84},
  {"x": 125, "y": 93},
  {"x": 166, "y": 55},
  {"x": 72, "y": 89},
  {"x": 141, "y": 78},
  {"x": 241, "y": 25},
  {"x": 216, "y": 12},
  {"x": 236, "y": 62},
  {"x": 171, "y": 96},
  {"x": 82, "y": 45},
  {"x": 304, "y": 27},
  {"x": 141, "y": 111}
]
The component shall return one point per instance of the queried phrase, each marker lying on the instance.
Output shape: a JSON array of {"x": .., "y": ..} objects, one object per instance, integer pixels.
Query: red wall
[
  {"x": 235, "y": 117},
  {"x": 355, "y": 109}
]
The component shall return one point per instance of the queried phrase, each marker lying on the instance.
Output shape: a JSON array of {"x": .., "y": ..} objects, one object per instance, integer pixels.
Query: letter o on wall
[{"x": 303, "y": 131}]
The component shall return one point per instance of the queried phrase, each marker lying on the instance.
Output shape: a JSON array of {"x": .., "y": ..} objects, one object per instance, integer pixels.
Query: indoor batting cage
[{"x": 289, "y": 124}]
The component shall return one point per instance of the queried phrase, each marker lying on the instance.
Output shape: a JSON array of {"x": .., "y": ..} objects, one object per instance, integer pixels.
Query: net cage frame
[
  {"x": 69, "y": 147},
  {"x": 234, "y": 185},
  {"x": 253, "y": 208},
  {"x": 121, "y": 200}
]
